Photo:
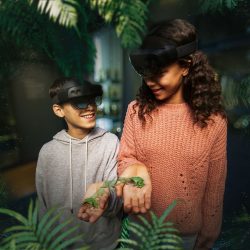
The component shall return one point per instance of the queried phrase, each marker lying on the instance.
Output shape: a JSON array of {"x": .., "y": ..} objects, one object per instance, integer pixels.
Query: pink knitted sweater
[{"x": 185, "y": 162}]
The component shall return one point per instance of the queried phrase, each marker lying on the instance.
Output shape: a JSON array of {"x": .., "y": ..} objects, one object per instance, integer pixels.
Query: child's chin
[{"x": 90, "y": 125}]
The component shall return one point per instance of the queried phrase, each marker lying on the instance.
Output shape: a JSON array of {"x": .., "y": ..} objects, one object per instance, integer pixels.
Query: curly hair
[{"x": 202, "y": 90}]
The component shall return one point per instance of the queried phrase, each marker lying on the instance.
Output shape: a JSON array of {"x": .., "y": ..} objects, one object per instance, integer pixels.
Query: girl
[{"x": 175, "y": 135}]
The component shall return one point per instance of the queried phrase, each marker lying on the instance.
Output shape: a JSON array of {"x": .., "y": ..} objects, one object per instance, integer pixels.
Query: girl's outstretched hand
[{"x": 136, "y": 200}]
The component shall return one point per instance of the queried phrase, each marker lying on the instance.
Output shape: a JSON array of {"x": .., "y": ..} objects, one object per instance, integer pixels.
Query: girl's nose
[{"x": 150, "y": 82}]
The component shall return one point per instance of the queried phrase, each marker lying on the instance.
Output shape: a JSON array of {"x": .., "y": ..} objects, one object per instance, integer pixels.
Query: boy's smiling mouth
[{"x": 88, "y": 116}]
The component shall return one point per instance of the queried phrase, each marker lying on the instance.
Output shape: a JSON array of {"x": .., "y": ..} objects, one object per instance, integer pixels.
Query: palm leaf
[
  {"x": 55, "y": 231},
  {"x": 128, "y": 16},
  {"x": 236, "y": 93},
  {"x": 3, "y": 193},
  {"x": 155, "y": 234},
  {"x": 217, "y": 5},
  {"x": 61, "y": 11},
  {"x": 56, "y": 243},
  {"x": 31, "y": 233},
  {"x": 236, "y": 231},
  {"x": 72, "y": 50}
]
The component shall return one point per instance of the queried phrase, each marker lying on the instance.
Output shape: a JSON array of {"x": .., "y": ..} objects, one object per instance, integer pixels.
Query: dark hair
[
  {"x": 202, "y": 90},
  {"x": 59, "y": 83}
]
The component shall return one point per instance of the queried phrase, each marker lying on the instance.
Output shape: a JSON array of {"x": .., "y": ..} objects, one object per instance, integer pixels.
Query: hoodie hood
[{"x": 65, "y": 138}]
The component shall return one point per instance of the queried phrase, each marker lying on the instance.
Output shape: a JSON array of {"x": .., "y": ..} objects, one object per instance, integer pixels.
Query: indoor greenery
[
  {"x": 61, "y": 30},
  {"x": 236, "y": 231},
  {"x": 155, "y": 234},
  {"x": 3, "y": 193},
  {"x": 236, "y": 94},
  {"x": 30, "y": 233}
]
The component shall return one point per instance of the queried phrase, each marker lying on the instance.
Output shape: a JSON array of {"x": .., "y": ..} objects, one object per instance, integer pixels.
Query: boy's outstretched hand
[{"x": 90, "y": 213}]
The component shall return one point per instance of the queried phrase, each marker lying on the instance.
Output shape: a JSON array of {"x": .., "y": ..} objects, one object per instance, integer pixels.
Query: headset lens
[{"x": 83, "y": 103}]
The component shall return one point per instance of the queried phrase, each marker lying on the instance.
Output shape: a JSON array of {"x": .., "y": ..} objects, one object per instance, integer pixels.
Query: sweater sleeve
[
  {"x": 127, "y": 155},
  {"x": 212, "y": 207},
  {"x": 40, "y": 185}
]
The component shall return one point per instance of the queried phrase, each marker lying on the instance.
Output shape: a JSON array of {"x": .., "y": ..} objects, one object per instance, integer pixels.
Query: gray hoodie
[{"x": 65, "y": 168}]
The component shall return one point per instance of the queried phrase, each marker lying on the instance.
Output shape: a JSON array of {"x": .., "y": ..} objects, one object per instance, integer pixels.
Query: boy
[{"x": 76, "y": 157}]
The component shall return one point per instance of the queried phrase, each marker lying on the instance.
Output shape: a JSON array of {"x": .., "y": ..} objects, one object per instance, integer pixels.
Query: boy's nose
[{"x": 91, "y": 106}]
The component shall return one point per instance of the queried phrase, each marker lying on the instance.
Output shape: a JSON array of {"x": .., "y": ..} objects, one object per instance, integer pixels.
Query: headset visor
[{"x": 149, "y": 62}]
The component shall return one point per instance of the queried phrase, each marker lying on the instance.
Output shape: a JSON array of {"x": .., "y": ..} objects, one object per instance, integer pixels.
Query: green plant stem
[{"x": 93, "y": 200}]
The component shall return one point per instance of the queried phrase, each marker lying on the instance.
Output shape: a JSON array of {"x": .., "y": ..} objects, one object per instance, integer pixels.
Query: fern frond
[
  {"x": 32, "y": 234},
  {"x": 15, "y": 215},
  {"x": 217, "y": 5},
  {"x": 3, "y": 191},
  {"x": 45, "y": 223},
  {"x": 62, "y": 237},
  {"x": 54, "y": 232},
  {"x": 153, "y": 235},
  {"x": 167, "y": 211},
  {"x": 128, "y": 16},
  {"x": 62, "y": 11}
]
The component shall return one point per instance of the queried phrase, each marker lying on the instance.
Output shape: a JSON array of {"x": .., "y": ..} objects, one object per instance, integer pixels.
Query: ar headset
[
  {"x": 148, "y": 62},
  {"x": 79, "y": 95}
]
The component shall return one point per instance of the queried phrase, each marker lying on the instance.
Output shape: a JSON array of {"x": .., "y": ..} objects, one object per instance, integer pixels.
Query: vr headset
[
  {"x": 79, "y": 95},
  {"x": 149, "y": 62}
]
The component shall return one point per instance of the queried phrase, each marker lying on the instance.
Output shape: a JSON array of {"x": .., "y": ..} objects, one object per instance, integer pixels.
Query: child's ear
[
  {"x": 185, "y": 71},
  {"x": 58, "y": 110}
]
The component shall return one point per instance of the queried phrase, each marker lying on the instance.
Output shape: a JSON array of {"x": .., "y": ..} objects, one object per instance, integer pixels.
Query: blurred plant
[
  {"x": 63, "y": 12},
  {"x": 73, "y": 52},
  {"x": 237, "y": 94},
  {"x": 45, "y": 234},
  {"x": 128, "y": 16},
  {"x": 3, "y": 193},
  {"x": 152, "y": 236},
  {"x": 61, "y": 30},
  {"x": 218, "y": 5},
  {"x": 237, "y": 236}
]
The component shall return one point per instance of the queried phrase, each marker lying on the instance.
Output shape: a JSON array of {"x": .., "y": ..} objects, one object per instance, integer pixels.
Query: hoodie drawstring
[
  {"x": 86, "y": 165},
  {"x": 70, "y": 177}
]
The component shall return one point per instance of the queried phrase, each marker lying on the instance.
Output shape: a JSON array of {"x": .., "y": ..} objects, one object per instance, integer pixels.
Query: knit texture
[{"x": 185, "y": 162}]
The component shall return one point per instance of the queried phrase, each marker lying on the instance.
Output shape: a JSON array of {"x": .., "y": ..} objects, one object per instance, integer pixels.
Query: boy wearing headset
[{"x": 75, "y": 163}]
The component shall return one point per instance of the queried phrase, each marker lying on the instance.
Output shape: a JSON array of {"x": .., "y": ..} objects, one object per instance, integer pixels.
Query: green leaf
[
  {"x": 128, "y": 16},
  {"x": 138, "y": 230},
  {"x": 67, "y": 243},
  {"x": 91, "y": 201},
  {"x": 145, "y": 222},
  {"x": 43, "y": 224},
  {"x": 63, "y": 12},
  {"x": 62, "y": 237},
  {"x": 167, "y": 211},
  {"x": 35, "y": 215},
  {"x": 56, "y": 230},
  {"x": 16, "y": 228},
  {"x": 30, "y": 212},
  {"x": 129, "y": 242},
  {"x": 15, "y": 215}
]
